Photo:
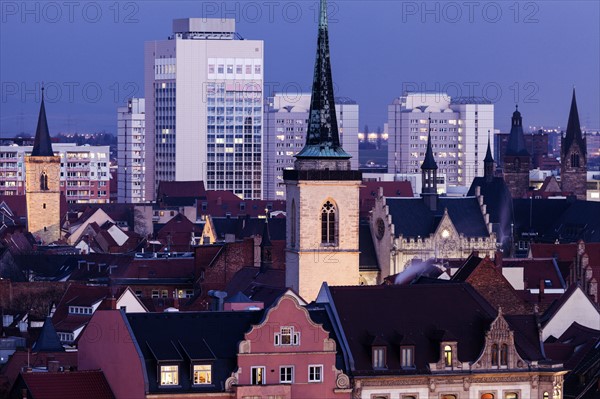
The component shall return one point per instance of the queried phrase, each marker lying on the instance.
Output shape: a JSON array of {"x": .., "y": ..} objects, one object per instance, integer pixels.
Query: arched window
[
  {"x": 44, "y": 181},
  {"x": 494, "y": 355},
  {"x": 575, "y": 160},
  {"x": 328, "y": 223},
  {"x": 448, "y": 356},
  {"x": 487, "y": 396},
  {"x": 511, "y": 395},
  {"x": 293, "y": 224},
  {"x": 504, "y": 355},
  {"x": 546, "y": 395}
]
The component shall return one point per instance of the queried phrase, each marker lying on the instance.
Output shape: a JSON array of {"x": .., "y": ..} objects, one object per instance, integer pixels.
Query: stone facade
[
  {"x": 573, "y": 171},
  {"x": 309, "y": 262},
  {"x": 516, "y": 175},
  {"x": 43, "y": 198}
]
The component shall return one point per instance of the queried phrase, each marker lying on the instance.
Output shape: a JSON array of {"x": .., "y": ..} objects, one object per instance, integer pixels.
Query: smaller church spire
[
  {"x": 429, "y": 161},
  {"x": 42, "y": 145},
  {"x": 266, "y": 247},
  {"x": 488, "y": 162},
  {"x": 573, "y": 133},
  {"x": 516, "y": 140}
]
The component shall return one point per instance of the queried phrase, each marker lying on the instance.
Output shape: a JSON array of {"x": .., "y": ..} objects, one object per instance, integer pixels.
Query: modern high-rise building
[
  {"x": 131, "y": 151},
  {"x": 204, "y": 108},
  {"x": 286, "y": 122},
  {"x": 84, "y": 171},
  {"x": 459, "y": 134}
]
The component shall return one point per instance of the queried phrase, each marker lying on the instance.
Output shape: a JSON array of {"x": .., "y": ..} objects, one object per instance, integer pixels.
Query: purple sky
[{"x": 90, "y": 54}]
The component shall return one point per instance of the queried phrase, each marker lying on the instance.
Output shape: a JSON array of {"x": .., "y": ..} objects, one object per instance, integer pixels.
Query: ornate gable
[{"x": 499, "y": 351}]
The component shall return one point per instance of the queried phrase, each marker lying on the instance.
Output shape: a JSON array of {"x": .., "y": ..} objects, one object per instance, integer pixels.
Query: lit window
[
  {"x": 448, "y": 356},
  {"x": 315, "y": 373},
  {"x": 379, "y": 358},
  {"x": 202, "y": 374},
  {"x": 286, "y": 374},
  {"x": 407, "y": 356},
  {"x": 258, "y": 376},
  {"x": 169, "y": 375},
  {"x": 511, "y": 395},
  {"x": 487, "y": 396}
]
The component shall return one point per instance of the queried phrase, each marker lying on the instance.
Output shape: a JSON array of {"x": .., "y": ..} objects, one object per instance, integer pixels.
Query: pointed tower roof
[
  {"x": 322, "y": 138},
  {"x": 488, "y": 154},
  {"x": 42, "y": 146},
  {"x": 48, "y": 339},
  {"x": 516, "y": 141},
  {"x": 266, "y": 236},
  {"x": 573, "y": 128},
  {"x": 429, "y": 161}
]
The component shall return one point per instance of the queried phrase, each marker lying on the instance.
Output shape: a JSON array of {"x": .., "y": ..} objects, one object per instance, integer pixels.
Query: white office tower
[
  {"x": 204, "y": 95},
  {"x": 286, "y": 120},
  {"x": 459, "y": 133},
  {"x": 131, "y": 152}
]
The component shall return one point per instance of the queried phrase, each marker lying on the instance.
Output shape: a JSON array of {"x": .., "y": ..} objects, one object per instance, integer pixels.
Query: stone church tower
[
  {"x": 322, "y": 194},
  {"x": 517, "y": 160},
  {"x": 42, "y": 185},
  {"x": 573, "y": 156}
]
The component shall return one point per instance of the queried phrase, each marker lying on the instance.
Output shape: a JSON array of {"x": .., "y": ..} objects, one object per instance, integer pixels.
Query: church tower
[
  {"x": 573, "y": 156},
  {"x": 42, "y": 185},
  {"x": 517, "y": 159},
  {"x": 322, "y": 200}
]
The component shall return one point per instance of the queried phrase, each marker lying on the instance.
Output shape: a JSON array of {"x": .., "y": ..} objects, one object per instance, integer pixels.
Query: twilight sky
[{"x": 90, "y": 54}]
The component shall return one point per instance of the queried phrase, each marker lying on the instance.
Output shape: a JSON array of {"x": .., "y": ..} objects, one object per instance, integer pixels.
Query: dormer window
[
  {"x": 287, "y": 336},
  {"x": 379, "y": 357},
  {"x": 202, "y": 374},
  {"x": 169, "y": 375},
  {"x": 80, "y": 310},
  {"x": 447, "y": 356},
  {"x": 407, "y": 356}
]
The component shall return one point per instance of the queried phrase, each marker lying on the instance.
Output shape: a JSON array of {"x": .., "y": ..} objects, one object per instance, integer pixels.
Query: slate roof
[
  {"x": 516, "y": 141},
  {"x": 48, "y": 339},
  {"x": 573, "y": 133},
  {"x": 412, "y": 217},
  {"x": 429, "y": 161},
  {"x": 367, "y": 258},
  {"x": 247, "y": 227},
  {"x": 264, "y": 287},
  {"x": 71, "y": 385},
  {"x": 220, "y": 203},
  {"x": 42, "y": 145},
  {"x": 436, "y": 311},
  {"x": 180, "y": 193},
  {"x": 535, "y": 270}
]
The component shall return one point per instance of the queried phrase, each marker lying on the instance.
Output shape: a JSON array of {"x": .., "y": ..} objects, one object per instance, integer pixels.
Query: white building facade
[
  {"x": 131, "y": 151},
  {"x": 204, "y": 95},
  {"x": 459, "y": 132},
  {"x": 286, "y": 121},
  {"x": 84, "y": 171}
]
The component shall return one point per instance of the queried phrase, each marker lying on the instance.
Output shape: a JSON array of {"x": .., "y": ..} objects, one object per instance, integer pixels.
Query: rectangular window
[
  {"x": 379, "y": 358},
  {"x": 202, "y": 374},
  {"x": 258, "y": 376},
  {"x": 287, "y": 336},
  {"x": 154, "y": 293},
  {"x": 407, "y": 356},
  {"x": 315, "y": 373},
  {"x": 169, "y": 375},
  {"x": 286, "y": 374}
]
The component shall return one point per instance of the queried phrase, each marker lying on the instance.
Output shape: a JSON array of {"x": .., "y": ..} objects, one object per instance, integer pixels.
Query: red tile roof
[
  {"x": 71, "y": 385},
  {"x": 370, "y": 189},
  {"x": 21, "y": 359},
  {"x": 176, "y": 189}
]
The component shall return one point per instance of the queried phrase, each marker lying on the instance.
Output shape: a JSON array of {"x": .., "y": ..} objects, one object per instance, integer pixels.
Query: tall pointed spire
[
  {"x": 516, "y": 141},
  {"x": 488, "y": 161},
  {"x": 429, "y": 161},
  {"x": 488, "y": 154},
  {"x": 322, "y": 138},
  {"x": 42, "y": 146},
  {"x": 573, "y": 128}
]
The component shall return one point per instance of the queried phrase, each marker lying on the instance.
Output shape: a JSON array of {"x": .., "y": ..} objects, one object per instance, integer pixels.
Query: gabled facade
[{"x": 404, "y": 229}]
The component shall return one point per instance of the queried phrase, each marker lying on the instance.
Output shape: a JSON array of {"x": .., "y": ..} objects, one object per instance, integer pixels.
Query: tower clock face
[{"x": 380, "y": 226}]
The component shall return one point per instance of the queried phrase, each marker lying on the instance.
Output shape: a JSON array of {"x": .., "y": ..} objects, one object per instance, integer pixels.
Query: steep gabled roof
[
  {"x": 573, "y": 134},
  {"x": 48, "y": 339},
  {"x": 42, "y": 145}
]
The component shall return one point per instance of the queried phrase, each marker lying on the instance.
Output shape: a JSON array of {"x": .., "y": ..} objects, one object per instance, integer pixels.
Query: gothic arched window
[
  {"x": 575, "y": 160},
  {"x": 328, "y": 223},
  {"x": 504, "y": 355},
  {"x": 44, "y": 181}
]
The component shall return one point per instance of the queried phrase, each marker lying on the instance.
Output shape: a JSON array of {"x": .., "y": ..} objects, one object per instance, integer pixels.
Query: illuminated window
[
  {"x": 202, "y": 374},
  {"x": 487, "y": 396},
  {"x": 169, "y": 375},
  {"x": 511, "y": 395},
  {"x": 257, "y": 376},
  {"x": 448, "y": 356}
]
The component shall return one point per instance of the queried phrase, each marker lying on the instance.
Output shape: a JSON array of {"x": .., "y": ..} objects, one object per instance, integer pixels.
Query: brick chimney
[
  {"x": 542, "y": 287},
  {"x": 498, "y": 258}
]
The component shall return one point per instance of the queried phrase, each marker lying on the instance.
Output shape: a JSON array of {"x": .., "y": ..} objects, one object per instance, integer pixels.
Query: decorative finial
[{"x": 517, "y": 105}]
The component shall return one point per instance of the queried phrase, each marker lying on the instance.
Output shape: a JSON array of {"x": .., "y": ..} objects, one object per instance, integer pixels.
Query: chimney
[
  {"x": 541, "y": 294},
  {"x": 53, "y": 366},
  {"x": 217, "y": 300},
  {"x": 112, "y": 303},
  {"x": 498, "y": 258},
  {"x": 175, "y": 300}
]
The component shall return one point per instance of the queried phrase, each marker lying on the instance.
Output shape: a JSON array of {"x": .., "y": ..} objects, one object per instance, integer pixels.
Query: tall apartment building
[
  {"x": 286, "y": 122},
  {"x": 131, "y": 151},
  {"x": 84, "y": 171},
  {"x": 459, "y": 134},
  {"x": 204, "y": 108}
]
